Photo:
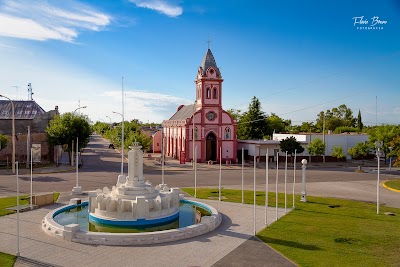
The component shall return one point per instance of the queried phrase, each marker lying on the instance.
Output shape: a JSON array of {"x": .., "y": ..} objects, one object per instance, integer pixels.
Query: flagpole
[
  {"x": 266, "y": 186},
  {"x": 276, "y": 183},
  {"x": 294, "y": 174}
]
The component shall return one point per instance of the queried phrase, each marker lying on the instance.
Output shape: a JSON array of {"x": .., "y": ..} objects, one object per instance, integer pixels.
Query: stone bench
[{"x": 43, "y": 199}]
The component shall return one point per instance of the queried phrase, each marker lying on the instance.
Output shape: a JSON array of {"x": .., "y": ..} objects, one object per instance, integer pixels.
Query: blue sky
[{"x": 297, "y": 57}]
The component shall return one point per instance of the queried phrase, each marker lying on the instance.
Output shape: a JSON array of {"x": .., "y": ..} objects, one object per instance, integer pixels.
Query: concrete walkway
[{"x": 207, "y": 250}]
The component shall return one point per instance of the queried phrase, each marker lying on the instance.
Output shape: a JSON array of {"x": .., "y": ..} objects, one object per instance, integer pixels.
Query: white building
[
  {"x": 346, "y": 140},
  {"x": 259, "y": 148}
]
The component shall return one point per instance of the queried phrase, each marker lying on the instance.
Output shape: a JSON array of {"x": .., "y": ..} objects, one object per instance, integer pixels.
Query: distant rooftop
[{"x": 23, "y": 110}]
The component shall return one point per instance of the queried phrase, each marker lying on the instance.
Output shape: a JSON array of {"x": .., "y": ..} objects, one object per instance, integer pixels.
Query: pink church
[{"x": 214, "y": 128}]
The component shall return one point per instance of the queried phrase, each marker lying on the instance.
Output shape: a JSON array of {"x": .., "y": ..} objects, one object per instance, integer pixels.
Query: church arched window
[
  {"x": 215, "y": 96},
  {"x": 227, "y": 133},
  {"x": 208, "y": 93},
  {"x": 195, "y": 133}
]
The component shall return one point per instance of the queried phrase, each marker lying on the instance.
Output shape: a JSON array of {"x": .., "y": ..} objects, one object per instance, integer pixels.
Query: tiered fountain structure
[{"x": 132, "y": 201}]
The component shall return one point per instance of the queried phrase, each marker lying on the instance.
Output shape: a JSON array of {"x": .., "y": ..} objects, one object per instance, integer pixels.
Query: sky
[{"x": 297, "y": 57}]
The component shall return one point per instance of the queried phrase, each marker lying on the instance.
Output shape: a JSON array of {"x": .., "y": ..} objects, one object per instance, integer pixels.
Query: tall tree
[
  {"x": 340, "y": 116},
  {"x": 64, "y": 129},
  {"x": 360, "y": 125},
  {"x": 253, "y": 124},
  {"x": 236, "y": 114},
  {"x": 384, "y": 133},
  {"x": 395, "y": 150},
  {"x": 277, "y": 124}
]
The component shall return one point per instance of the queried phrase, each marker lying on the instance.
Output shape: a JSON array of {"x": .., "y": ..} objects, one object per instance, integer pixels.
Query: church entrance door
[{"x": 211, "y": 147}]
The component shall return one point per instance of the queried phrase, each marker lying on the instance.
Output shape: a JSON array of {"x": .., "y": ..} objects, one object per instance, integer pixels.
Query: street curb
[{"x": 389, "y": 188}]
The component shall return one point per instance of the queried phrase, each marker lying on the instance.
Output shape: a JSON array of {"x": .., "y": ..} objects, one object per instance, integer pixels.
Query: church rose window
[
  {"x": 227, "y": 133},
  {"x": 211, "y": 115}
]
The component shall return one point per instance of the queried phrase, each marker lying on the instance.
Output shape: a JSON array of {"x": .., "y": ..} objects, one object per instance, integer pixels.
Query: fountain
[{"x": 131, "y": 203}]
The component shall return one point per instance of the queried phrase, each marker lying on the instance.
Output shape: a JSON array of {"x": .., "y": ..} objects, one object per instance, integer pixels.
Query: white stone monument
[{"x": 132, "y": 201}]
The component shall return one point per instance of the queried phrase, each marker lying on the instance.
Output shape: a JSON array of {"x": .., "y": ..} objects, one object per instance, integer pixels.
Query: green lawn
[
  {"x": 393, "y": 184},
  {"x": 7, "y": 260},
  {"x": 7, "y": 202},
  {"x": 328, "y": 231}
]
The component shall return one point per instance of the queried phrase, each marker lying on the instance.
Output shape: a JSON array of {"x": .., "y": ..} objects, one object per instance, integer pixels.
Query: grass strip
[
  {"x": 7, "y": 260},
  {"x": 395, "y": 184},
  {"x": 327, "y": 231},
  {"x": 6, "y": 202}
]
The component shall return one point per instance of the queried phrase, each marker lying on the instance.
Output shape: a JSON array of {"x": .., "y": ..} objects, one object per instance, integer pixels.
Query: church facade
[{"x": 204, "y": 126}]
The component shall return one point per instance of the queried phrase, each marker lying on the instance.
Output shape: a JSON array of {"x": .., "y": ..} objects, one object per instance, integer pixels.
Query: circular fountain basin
[{"x": 75, "y": 226}]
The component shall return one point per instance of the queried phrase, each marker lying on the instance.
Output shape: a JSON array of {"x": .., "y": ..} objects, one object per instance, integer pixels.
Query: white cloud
[
  {"x": 148, "y": 100},
  {"x": 160, "y": 6},
  {"x": 39, "y": 20}
]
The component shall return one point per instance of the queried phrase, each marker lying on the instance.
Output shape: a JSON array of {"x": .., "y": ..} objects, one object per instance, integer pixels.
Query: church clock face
[{"x": 211, "y": 115}]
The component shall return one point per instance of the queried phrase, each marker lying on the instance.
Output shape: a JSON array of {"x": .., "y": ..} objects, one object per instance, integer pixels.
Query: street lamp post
[
  {"x": 378, "y": 145},
  {"x": 303, "y": 187},
  {"x": 390, "y": 158},
  {"x": 122, "y": 143},
  {"x": 72, "y": 153},
  {"x": 109, "y": 118},
  {"x": 79, "y": 108},
  {"x": 13, "y": 133}
]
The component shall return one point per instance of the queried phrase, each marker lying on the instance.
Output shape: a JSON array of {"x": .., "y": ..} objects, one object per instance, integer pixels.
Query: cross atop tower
[{"x": 209, "y": 41}]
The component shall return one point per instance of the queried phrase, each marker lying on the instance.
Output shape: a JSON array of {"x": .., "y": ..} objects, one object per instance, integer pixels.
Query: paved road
[
  {"x": 230, "y": 245},
  {"x": 102, "y": 166}
]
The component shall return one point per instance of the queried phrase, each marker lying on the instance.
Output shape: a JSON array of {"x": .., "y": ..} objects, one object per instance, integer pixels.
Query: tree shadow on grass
[{"x": 287, "y": 243}]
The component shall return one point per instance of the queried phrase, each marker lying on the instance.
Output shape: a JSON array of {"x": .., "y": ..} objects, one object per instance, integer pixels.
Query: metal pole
[
  {"x": 76, "y": 162},
  {"x": 195, "y": 172},
  {"x": 266, "y": 185},
  {"x": 254, "y": 197},
  {"x": 323, "y": 138},
  {"x": 242, "y": 175},
  {"x": 193, "y": 139},
  {"x": 294, "y": 174},
  {"x": 377, "y": 184},
  {"x": 276, "y": 183},
  {"x": 286, "y": 182},
  {"x": 162, "y": 156},
  {"x": 303, "y": 187},
  {"x": 17, "y": 210},
  {"x": 13, "y": 138},
  {"x": 31, "y": 181},
  {"x": 220, "y": 168},
  {"x": 72, "y": 153},
  {"x": 123, "y": 132},
  {"x": 27, "y": 146}
]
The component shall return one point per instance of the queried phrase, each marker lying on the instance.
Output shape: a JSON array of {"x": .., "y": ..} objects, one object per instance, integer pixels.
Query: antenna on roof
[{"x": 30, "y": 93}]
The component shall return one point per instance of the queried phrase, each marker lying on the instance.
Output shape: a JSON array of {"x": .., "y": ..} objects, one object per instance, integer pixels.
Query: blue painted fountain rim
[{"x": 138, "y": 222}]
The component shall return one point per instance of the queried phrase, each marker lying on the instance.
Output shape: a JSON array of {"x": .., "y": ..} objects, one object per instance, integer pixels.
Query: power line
[
  {"x": 313, "y": 106},
  {"x": 327, "y": 76}
]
